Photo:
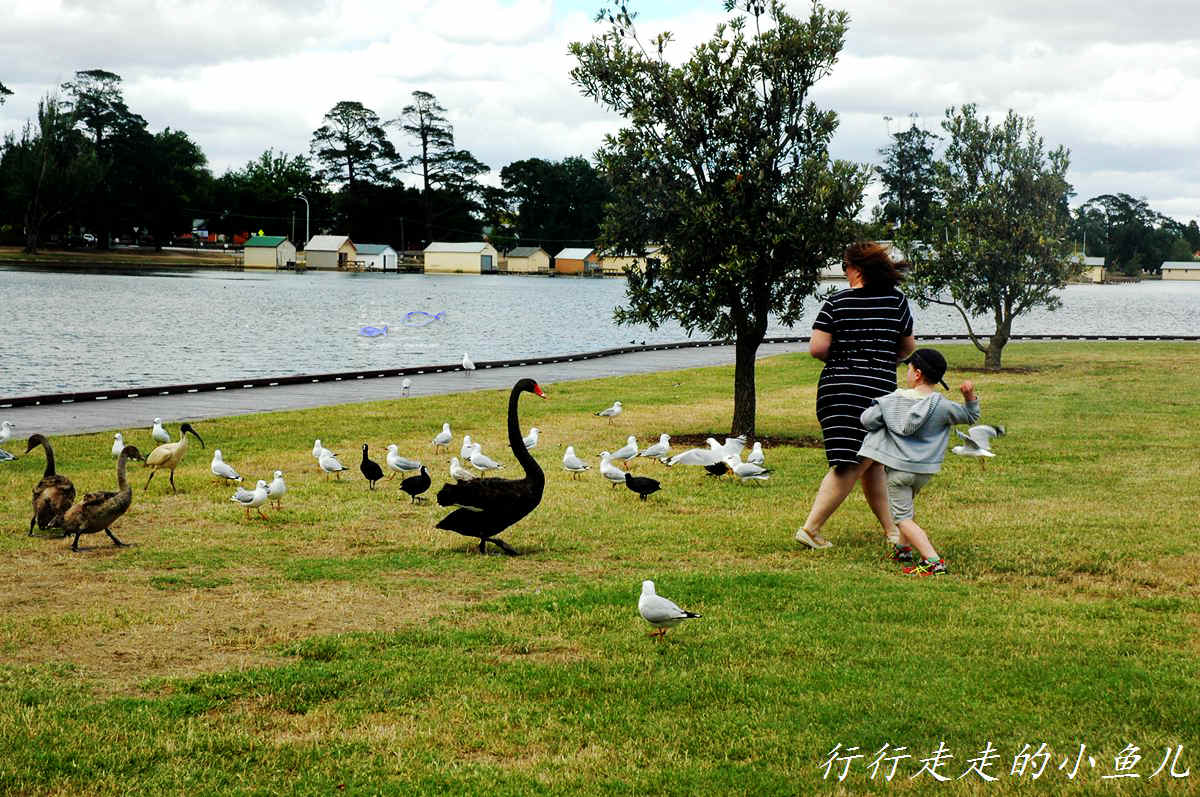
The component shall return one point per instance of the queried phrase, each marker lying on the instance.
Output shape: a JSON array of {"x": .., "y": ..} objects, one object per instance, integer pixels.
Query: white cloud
[{"x": 1117, "y": 85}]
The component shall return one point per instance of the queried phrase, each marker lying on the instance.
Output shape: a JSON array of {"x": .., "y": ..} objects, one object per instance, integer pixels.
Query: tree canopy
[
  {"x": 724, "y": 161},
  {"x": 909, "y": 193},
  {"x": 1001, "y": 247},
  {"x": 1130, "y": 235}
]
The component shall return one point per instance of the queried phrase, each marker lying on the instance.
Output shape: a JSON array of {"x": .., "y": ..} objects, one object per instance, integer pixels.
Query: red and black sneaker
[
  {"x": 902, "y": 553},
  {"x": 927, "y": 567}
]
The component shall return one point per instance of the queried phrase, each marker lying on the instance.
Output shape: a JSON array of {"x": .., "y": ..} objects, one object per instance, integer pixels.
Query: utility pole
[{"x": 307, "y": 235}]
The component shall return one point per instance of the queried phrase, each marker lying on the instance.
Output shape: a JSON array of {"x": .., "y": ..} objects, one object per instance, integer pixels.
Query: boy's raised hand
[{"x": 968, "y": 390}]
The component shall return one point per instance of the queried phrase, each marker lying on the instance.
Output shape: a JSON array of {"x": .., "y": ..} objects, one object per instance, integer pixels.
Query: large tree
[
  {"x": 447, "y": 173},
  {"x": 352, "y": 146},
  {"x": 46, "y": 171},
  {"x": 1131, "y": 235},
  {"x": 909, "y": 193},
  {"x": 555, "y": 203},
  {"x": 1002, "y": 247},
  {"x": 177, "y": 181},
  {"x": 723, "y": 160}
]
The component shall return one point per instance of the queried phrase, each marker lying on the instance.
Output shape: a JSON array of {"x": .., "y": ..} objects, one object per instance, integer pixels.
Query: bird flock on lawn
[{"x": 482, "y": 504}]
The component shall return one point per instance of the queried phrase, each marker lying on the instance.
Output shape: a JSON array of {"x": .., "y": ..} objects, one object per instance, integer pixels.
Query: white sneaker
[{"x": 803, "y": 538}]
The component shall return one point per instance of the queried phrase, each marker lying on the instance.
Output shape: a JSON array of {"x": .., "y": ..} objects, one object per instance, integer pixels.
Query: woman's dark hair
[{"x": 874, "y": 261}]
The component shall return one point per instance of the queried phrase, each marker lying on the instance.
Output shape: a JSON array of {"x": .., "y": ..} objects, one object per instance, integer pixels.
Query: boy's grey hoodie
[{"x": 907, "y": 430}]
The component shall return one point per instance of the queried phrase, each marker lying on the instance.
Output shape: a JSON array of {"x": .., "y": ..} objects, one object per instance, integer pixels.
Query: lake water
[{"x": 73, "y": 331}]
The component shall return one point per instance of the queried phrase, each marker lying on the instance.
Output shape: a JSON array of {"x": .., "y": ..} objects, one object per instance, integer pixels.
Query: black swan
[
  {"x": 98, "y": 511},
  {"x": 53, "y": 495},
  {"x": 489, "y": 506},
  {"x": 370, "y": 469}
]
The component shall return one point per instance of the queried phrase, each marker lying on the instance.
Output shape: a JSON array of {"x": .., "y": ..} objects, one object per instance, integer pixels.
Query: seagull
[
  {"x": 467, "y": 365},
  {"x": 464, "y": 452},
  {"x": 627, "y": 451},
  {"x": 405, "y": 384},
  {"x": 319, "y": 451},
  {"x": 158, "y": 432},
  {"x": 399, "y": 464},
  {"x": 276, "y": 490},
  {"x": 697, "y": 456},
  {"x": 442, "y": 439},
  {"x": 481, "y": 461},
  {"x": 756, "y": 455},
  {"x": 611, "y": 412},
  {"x": 746, "y": 470},
  {"x": 6, "y": 430},
  {"x": 252, "y": 499},
  {"x": 733, "y": 445},
  {"x": 457, "y": 471},
  {"x": 531, "y": 440},
  {"x": 660, "y": 449},
  {"x": 223, "y": 470},
  {"x": 329, "y": 463},
  {"x": 642, "y": 485},
  {"x": 978, "y": 442},
  {"x": 660, "y": 612},
  {"x": 118, "y": 444},
  {"x": 573, "y": 464},
  {"x": 610, "y": 471}
]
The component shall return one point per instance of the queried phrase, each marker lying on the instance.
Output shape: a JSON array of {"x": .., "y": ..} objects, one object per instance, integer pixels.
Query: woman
[{"x": 860, "y": 333}]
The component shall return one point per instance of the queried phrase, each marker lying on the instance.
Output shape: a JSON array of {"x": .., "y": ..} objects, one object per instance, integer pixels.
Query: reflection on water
[{"x": 89, "y": 330}]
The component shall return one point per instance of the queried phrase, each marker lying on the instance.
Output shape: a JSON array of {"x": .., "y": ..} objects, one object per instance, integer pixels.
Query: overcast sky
[{"x": 1118, "y": 84}]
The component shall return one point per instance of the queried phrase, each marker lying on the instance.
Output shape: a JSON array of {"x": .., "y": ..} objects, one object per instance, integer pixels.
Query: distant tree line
[{"x": 89, "y": 169}]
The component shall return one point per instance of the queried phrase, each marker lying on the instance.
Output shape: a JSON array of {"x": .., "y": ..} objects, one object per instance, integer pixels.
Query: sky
[{"x": 1117, "y": 84}]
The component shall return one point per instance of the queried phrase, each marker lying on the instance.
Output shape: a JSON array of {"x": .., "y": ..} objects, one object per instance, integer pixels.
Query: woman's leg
[
  {"x": 874, "y": 487},
  {"x": 836, "y": 485}
]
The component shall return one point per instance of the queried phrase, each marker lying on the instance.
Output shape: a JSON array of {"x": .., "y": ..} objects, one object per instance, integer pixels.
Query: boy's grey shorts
[{"x": 902, "y": 487}]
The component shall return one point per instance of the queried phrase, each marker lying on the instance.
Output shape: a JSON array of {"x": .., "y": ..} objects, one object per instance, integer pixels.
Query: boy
[{"x": 907, "y": 432}]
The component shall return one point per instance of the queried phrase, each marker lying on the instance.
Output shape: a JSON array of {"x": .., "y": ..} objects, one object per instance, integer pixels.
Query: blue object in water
[
  {"x": 420, "y": 318},
  {"x": 373, "y": 332}
]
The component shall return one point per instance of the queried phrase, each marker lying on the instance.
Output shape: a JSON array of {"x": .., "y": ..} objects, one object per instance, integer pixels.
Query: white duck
[
  {"x": 158, "y": 432},
  {"x": 610, "y": 471},
  {"x": 222, "y": 469},
  {"x": 399, "y": 464},
  {"x": 457, "y": 471},
  {"x": 252, "y": 499},
  {"x": 573, "y": 464},
  {"x": 277, "y": 489},
  {"x": 442, "y": 439}
]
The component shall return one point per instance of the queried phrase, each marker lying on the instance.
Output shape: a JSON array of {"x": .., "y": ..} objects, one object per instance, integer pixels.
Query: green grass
[{"x": 346, "y": 644}]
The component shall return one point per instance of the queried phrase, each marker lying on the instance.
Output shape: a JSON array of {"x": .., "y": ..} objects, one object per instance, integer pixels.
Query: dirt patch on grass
[{"x": 700, "y": 440}]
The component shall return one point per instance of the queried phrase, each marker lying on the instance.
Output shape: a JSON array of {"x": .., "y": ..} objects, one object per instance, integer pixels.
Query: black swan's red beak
[{"x": 537, "y": 390}]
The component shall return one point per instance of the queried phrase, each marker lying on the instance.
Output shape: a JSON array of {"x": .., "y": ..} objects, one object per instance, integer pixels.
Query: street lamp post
[{"x": 307, "y": 236}]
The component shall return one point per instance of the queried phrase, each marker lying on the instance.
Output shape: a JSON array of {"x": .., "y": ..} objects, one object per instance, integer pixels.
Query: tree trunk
[
  {"x": 744, "y": 397},
  {"x": 996, "y": 344}
]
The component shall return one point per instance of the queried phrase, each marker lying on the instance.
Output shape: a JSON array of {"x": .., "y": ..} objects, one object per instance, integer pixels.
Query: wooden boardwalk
[{"x": 134, "y": 413}]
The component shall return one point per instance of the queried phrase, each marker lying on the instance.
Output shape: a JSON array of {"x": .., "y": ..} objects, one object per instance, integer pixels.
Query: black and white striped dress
[{"x": 867, "y": 327}]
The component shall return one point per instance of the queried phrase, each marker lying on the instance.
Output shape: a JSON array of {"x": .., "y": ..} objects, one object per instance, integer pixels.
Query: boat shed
[
  {"x": 471, "y": 257},
  {"x": 577, "y": 261},
  {"x": 377, "y": 256},
  {"x": 616, "y": 265},
  {"x": 330, "y": 252},
  {"x": 268, "y": 251},
  {"x": 526, "y": 260},
  {"x": 1181, "y": 270}
]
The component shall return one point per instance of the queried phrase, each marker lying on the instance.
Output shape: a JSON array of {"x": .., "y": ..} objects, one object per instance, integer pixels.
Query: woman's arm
[
  {"x": 907, "y": 346},
  {"x": 820, "y": 343}
]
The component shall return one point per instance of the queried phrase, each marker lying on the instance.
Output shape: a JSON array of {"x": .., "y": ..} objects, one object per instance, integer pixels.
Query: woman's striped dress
[{"x": 867, "y": 327}]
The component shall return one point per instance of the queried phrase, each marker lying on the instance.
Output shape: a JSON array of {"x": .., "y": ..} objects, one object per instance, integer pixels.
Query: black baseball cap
[{"x": 931, "y": 364}]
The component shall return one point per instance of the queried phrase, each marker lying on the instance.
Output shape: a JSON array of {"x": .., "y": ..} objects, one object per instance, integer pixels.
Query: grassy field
[{"x": 346, "y": 644}]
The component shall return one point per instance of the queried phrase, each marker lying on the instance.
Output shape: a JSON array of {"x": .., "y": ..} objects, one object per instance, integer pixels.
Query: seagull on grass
[
  {"x": 458, "y": 472},
  {"x": 277, "y": 489},
  {"x": 660, "y": 612},
  {"x": 610, "y": 471},
  {"x": 611, "y": 412},
  {"x": 222, "y": 469},
  {"x": 442, "y": 439},
  {"x": 746, "y": 470},
  {"x": 660, "y": 449},
  {"x": 573, "y": 464},
  {"x": 977, "y": 442},
  {"x": 756, "y": 455},
  {"x": 252, "y": 499}
]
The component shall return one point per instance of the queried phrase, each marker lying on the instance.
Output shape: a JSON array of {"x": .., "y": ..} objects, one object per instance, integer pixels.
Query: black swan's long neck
[
  {"x": 122, "y": 484},
  {"x": 533, "y": 471},
  {"x": 49, "y": 459}
]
